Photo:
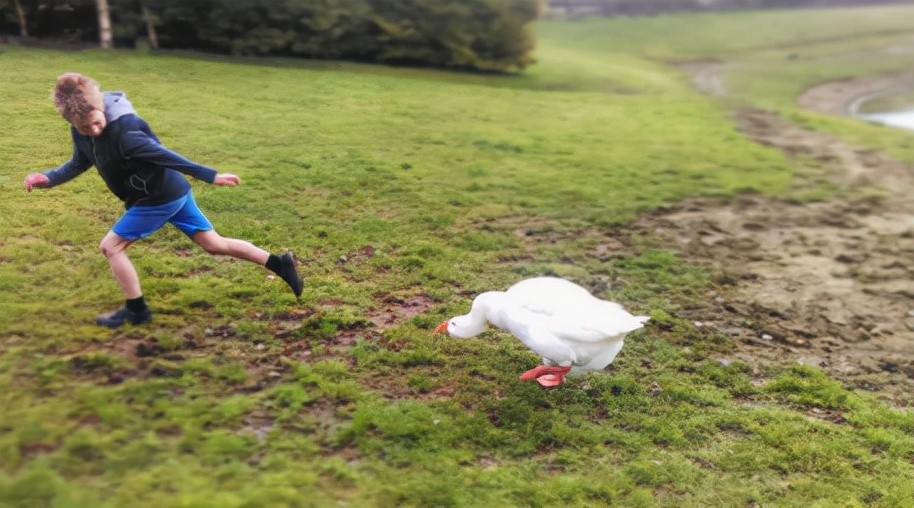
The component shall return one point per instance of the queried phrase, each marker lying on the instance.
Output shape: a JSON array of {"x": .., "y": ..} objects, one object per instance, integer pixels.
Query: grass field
[{"x": 402, "y": 191}]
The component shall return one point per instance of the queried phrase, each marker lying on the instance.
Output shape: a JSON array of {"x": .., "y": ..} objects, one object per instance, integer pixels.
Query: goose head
[{"x": 474, "y": 323}]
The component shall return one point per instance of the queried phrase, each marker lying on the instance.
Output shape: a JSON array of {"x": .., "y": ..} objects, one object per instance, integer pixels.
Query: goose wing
[
  {"x": 542, "y": 341},
  {"x": 570, "y": 312},
  {"x": 590, "y": 320}
]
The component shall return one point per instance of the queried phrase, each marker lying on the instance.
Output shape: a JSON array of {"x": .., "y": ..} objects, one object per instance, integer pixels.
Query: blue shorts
[{"x": 141, "y": 221}]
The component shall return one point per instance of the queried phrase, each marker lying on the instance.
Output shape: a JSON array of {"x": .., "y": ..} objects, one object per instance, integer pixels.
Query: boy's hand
[
  {"x": 35, "y": 180},
  {"x": 227, "y": 179}
]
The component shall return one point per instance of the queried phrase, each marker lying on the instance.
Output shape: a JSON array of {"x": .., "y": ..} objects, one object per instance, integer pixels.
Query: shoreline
[{"x": 844, "y": 97}]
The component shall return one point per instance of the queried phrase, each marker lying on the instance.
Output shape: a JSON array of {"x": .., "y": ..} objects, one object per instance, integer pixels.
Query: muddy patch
[
  {"x": 828, "y": 284},
  {"x": 820, "y": 284},
  {"x": 299, "y": 335},
  {"x": 258, "y": 423},
  {"x": 307, "y": 340},
  {"x": 392, "y": 310}
]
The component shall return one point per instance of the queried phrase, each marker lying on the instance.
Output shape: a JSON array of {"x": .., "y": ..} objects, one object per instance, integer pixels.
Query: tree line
[
  {"x": 580, "y": 8},
  {"x": 484, "y": 35}
]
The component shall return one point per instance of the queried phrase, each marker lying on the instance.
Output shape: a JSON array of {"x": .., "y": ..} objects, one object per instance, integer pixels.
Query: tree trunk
[
  {"x": 104, "y": 23},
  {"x": 20, "y": 13},
  {"x": 151, "y": 34}
]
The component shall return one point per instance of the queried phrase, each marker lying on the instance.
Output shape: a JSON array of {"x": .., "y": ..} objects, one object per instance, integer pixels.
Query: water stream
[{"x": 895, "y": 110}]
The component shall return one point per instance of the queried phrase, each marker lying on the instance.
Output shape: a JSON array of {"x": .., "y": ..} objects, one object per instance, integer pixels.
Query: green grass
[
  {"x": 774, "y": 56},
  {"x": 724, "y": 35},
  {"x": 240, "y": 396}
]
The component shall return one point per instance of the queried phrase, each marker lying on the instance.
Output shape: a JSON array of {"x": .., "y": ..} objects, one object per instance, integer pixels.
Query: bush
[{"x": 484, "y": 35}]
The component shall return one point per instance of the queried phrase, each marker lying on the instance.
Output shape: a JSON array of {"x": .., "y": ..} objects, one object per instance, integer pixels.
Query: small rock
[
  {"x": 849, "y": 258},
  {"x": 889, "y": 366},
  {"x": 765, "y": 336}
]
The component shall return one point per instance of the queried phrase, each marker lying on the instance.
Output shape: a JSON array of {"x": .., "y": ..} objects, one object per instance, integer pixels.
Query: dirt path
[{"x": 830, "y": 283}]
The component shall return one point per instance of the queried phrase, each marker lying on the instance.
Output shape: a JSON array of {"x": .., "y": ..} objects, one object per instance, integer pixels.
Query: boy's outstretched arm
[
  {"x": 69, "y": 170},
  {"x": 137, "y": 145}
]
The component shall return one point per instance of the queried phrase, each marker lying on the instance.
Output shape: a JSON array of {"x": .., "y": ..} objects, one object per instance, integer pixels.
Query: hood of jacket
[{"x": 117, "y": 105}]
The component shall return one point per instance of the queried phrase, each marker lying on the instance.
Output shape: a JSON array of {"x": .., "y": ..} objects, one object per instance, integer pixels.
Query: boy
[{"x": 108, "y": 134}]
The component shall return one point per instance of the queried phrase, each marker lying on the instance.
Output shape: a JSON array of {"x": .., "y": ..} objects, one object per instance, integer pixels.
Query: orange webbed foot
[{"x": 547, "y": 376}]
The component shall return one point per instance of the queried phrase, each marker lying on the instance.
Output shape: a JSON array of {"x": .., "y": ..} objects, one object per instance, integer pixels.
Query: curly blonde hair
[{"x": 75, "y": 96}]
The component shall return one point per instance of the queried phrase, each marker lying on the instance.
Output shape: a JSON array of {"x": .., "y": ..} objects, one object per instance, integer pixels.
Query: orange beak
[{"x": 442, "y": 328}]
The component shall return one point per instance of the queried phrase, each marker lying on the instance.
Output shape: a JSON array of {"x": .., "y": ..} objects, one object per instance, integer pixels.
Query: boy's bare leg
[
  {"x": 282, "y": 265},
  {"x": 114, "y": 249},
  {"x": 134, "y": 311},
  {"x": 216, "y": 244}
]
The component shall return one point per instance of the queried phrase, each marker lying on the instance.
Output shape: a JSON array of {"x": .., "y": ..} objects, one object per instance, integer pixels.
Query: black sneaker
[
  {"x": 289, "y": 274},
  {"x": 120, "y": 316}
]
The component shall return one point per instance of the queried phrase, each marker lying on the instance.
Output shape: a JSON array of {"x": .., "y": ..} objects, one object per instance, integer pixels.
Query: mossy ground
[{"x": 405, "y": 192}]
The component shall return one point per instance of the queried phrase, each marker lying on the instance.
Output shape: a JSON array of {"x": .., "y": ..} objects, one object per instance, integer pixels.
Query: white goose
[{"x": 562, "y": 322}]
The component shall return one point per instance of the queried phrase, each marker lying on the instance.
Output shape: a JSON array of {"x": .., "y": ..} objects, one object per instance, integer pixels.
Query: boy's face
[{"x": 92, "y": 124}]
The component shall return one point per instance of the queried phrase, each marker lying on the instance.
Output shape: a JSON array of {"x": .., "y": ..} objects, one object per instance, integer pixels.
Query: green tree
[{"x": 488, "y": 35}]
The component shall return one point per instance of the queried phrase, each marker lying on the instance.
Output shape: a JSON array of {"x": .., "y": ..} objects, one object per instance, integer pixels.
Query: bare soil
[{"x": 828, "y": 283}]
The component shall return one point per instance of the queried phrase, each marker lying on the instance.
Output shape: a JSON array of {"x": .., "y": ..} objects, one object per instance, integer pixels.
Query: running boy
[{"x": 108, "y": 134}]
